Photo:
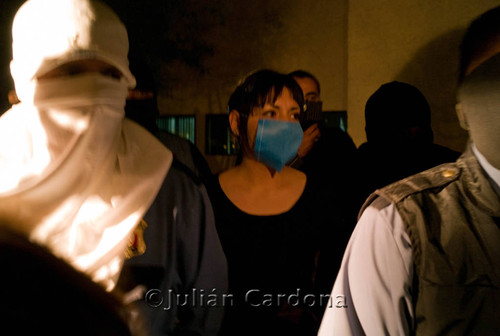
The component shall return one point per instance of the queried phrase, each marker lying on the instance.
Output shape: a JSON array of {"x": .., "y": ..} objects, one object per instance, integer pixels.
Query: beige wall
[
  {"x": 282, "y": 35},
  {"x": 414, "y": 41}
]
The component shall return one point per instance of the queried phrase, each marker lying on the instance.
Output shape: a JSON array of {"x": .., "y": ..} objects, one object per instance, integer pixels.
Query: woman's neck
[
  {"x": 257, "y": 173},
  {"x": 257, "y": 190}
]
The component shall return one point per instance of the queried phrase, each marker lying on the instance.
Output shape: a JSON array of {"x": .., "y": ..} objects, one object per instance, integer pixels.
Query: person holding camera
[
  {"x": 326, "y": 155},
  {"x": 320, "y": 145}
]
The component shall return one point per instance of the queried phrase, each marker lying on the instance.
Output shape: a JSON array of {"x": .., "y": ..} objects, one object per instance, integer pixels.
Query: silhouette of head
[{"x": 398, "y": 114}]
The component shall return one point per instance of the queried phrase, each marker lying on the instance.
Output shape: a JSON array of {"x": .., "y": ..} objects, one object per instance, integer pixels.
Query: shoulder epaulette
[{"x": 434, "y": 178}]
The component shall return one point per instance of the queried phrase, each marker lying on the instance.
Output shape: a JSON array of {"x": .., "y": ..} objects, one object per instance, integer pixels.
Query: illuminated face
[
  {"x": 309, "y": 88},
  {"x": 479, "y": 101},
  {"x": 83, "y": 66},
  {"x": 285, "y": 108}
]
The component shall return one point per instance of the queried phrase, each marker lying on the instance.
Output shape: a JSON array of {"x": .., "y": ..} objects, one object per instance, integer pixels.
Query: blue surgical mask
[{"x": 277, "y": 142}]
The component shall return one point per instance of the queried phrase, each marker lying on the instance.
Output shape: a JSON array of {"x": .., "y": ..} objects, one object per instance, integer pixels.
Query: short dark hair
[
  {"x": 479, "y": 37},
  {"x": 255, "y": 91},
  {"x": 305, "y": 74}
]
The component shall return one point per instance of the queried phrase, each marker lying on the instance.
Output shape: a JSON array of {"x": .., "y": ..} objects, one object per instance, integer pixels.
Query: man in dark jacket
[{"x": 399, "y": 138}]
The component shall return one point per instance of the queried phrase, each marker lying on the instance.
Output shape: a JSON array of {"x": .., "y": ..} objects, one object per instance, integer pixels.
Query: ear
[
  {"x": 234, "y": 122},
  {"x": 461, "y": 116}
]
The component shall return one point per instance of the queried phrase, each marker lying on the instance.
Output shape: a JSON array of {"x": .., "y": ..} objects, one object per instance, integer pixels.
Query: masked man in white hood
[
  {"x": 424, "y": 258},
  {"x": 75, "y": 176}
]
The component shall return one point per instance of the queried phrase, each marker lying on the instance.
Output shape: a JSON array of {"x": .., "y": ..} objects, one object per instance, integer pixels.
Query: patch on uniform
[
  {"x": 449, "y": 172},
  {"x": 436, "y": 177},
  {"x": 137, "y": 245}
]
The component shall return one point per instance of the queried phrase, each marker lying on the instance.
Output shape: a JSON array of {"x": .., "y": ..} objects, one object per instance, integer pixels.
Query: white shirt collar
[{"x": 492, "y": 172}]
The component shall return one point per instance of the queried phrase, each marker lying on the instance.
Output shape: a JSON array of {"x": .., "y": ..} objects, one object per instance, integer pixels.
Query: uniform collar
[{"x": 492, "y": 172}]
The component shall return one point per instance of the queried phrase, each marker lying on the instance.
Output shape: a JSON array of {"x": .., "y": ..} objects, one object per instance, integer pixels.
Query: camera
[{"x": 312, "y": 114}]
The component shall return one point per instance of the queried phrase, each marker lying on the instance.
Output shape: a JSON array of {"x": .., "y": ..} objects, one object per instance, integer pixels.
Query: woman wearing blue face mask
[{"x": 270, "y": 222}]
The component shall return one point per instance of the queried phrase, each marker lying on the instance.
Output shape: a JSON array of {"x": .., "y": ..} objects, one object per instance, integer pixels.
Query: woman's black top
[{"x": 273, "y": 263}]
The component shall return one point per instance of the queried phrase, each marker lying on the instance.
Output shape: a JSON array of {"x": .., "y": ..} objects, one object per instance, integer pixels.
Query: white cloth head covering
[
  {"x": 47, "y": 34},
  {"x": 75, "y": 176}
]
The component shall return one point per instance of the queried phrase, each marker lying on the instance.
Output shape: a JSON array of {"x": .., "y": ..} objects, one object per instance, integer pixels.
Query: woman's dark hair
[
  {"x": 261, "y": 87},
  {"x": 482, "y": 33}
]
